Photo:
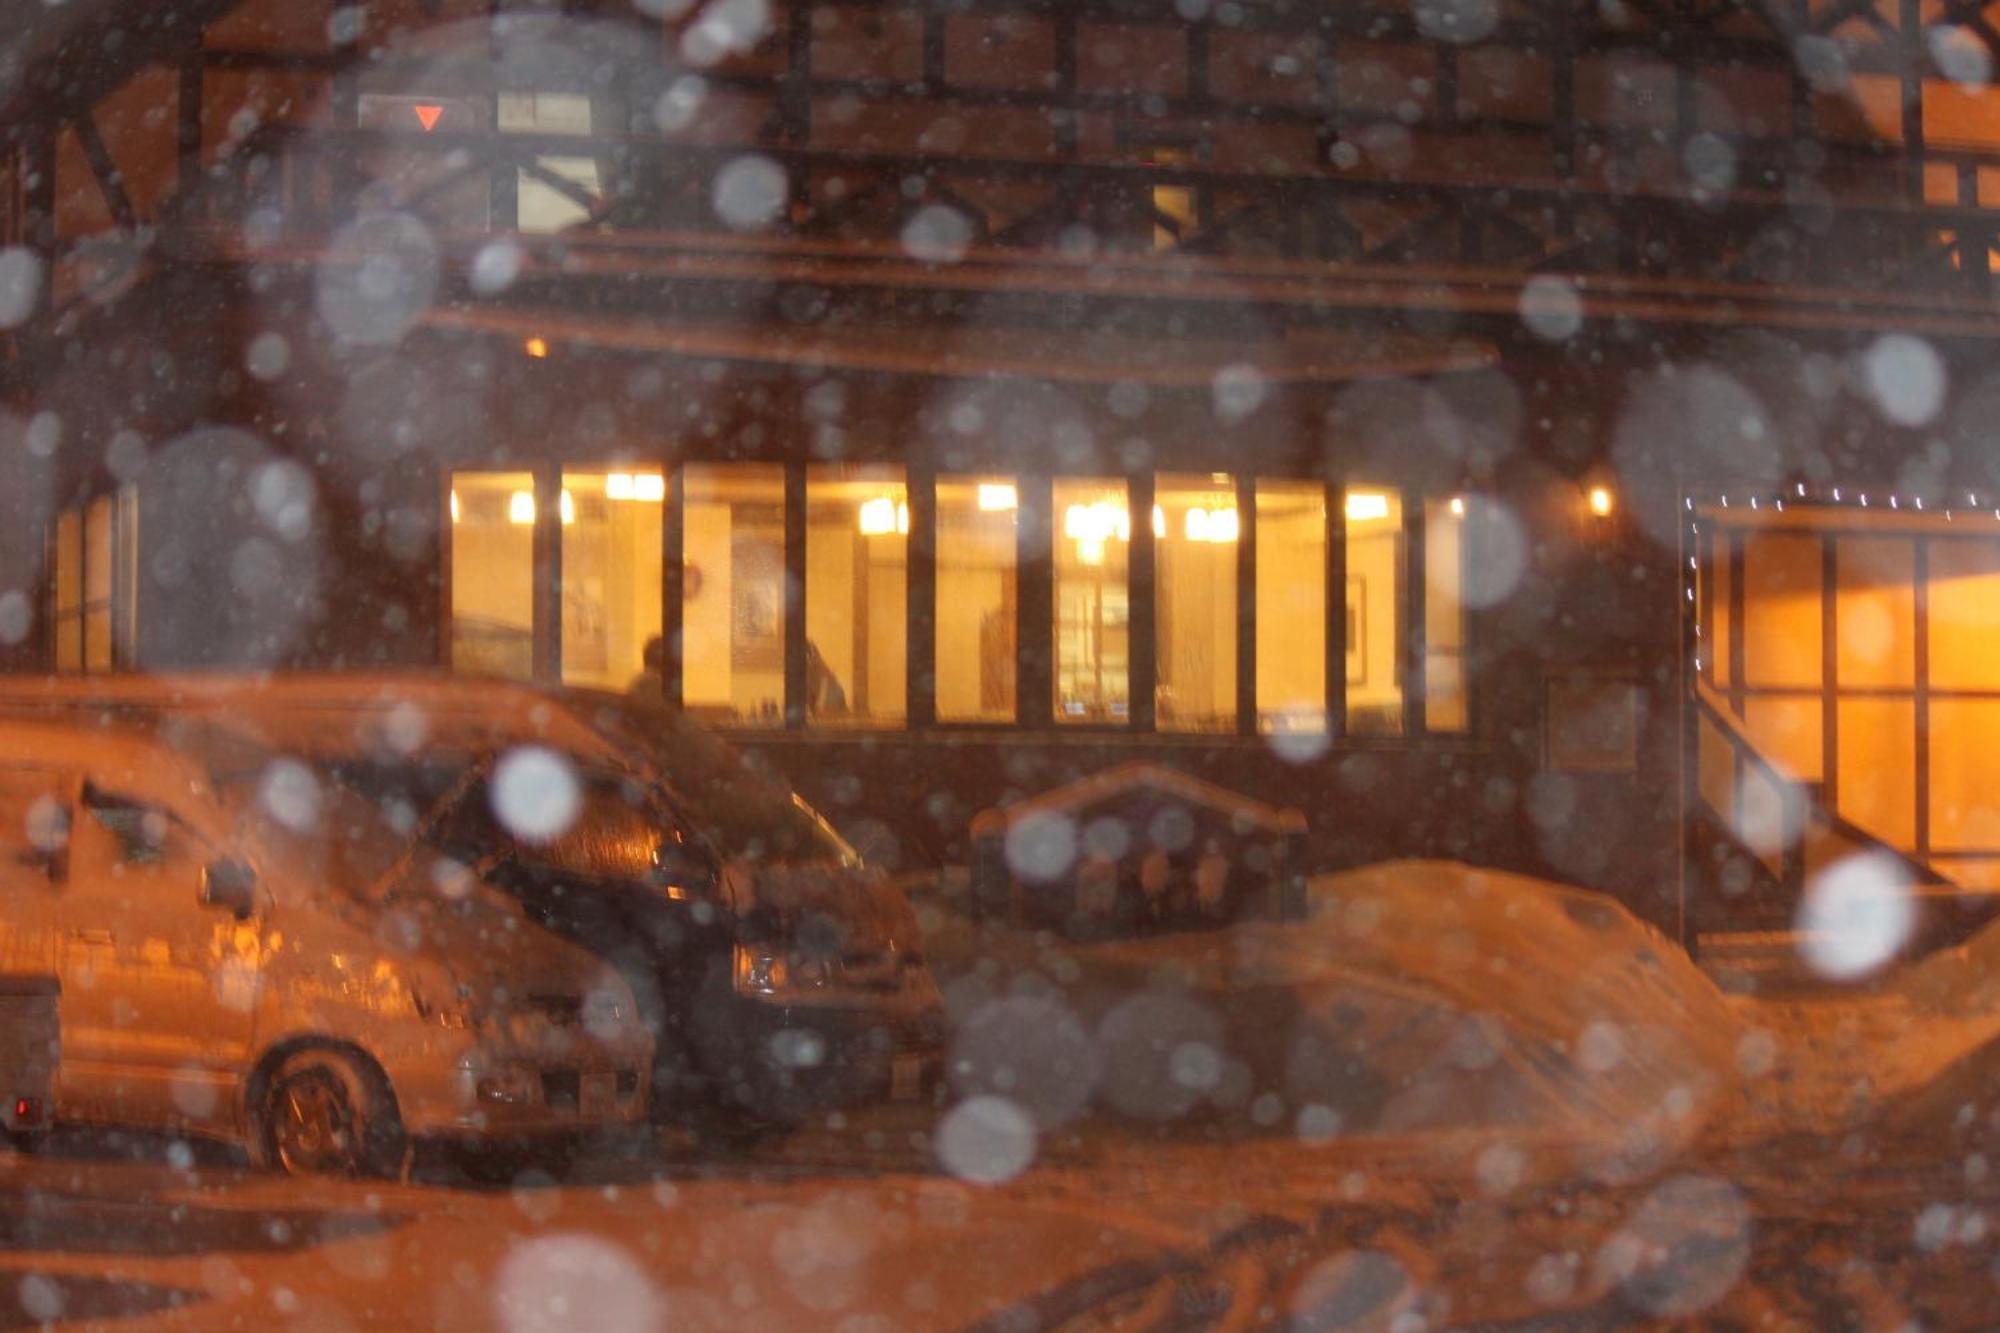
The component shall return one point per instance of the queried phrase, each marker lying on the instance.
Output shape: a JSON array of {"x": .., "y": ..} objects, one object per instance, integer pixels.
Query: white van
[
  {"x": 250, "y": 952},
  {"x": 781, "y": 977}
]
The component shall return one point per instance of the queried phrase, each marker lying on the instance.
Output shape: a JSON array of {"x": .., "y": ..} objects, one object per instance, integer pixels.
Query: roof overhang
[{"x": 973, "y": 351}]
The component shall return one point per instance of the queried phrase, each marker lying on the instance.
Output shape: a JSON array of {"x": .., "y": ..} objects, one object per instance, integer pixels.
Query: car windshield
[
  {"x": 478, "y": 811},
  {"x": 748, "y": 811}
]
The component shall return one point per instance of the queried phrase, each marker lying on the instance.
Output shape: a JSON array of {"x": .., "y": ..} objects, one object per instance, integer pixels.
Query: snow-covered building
[{"x": 1543, "y": 433}]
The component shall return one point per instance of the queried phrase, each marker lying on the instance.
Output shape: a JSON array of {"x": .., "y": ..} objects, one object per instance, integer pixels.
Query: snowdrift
[
  {"x": 1952, "y": 1000},
  {"x": 1417, "y": 996}
]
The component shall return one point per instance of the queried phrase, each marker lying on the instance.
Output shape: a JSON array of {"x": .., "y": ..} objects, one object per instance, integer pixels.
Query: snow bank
[
  {"x": 1950, "y": 1007},
  {"x": 1416, "y": 996}
]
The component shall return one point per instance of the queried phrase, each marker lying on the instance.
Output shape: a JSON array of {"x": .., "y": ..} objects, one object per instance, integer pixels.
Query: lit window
[
  {"x": 493, "y": 573},
  {"x": 611, "y": 546},
  {"x": 66, "y": 610},
  {"x": 976, "y": 606},
  {"x": 733, "y": 593},
  {"x": 857, "y": 594},
  {"x": 1093, "y": 535},
  {"x": 99, "y": 563},
  {"x": 1444, "y": 615},
  {"x": 1291, "y": 606},
  {"x": 1374, "y": 621},
  {"x": 1198, "y": 532},
  {"x": 542, "y": 204}
]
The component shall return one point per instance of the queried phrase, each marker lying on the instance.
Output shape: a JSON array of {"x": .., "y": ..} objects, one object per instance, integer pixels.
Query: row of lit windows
[{"x": 855, "y": 649}]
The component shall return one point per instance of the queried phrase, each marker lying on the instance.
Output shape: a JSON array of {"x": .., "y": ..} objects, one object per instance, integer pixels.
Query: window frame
[{"x": 1037, "y": 529}]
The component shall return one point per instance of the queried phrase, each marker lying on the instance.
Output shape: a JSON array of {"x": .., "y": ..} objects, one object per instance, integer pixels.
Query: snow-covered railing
[{"x": 1137, "y": 848}]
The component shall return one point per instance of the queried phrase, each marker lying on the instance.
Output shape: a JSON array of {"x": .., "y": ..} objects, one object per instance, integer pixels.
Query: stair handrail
[
  {"x": 1810, "y": 797},
  {"x": 1794, "y": 793}
]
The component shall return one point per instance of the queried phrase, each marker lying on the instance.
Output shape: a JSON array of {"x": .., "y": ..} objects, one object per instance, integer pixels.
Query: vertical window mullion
[
  {"x": 1415, "y": 600},
  {"x": 1246, "y": 603},
  {"x": 1921, "y": 701},
  {"x": 447, "y": 597},
  {"x": 1142, "y": 585},
  {"x": 1035, "y": 600},
  {"x": 83, "y": 589},
  {"x": 795, "y": 594},
  {"x": 1336, "y": 608},
  {"x": 547, "y": 634},
  {"x": 673, "y": 588},
  {"x": 920, "y": 603},
  {"x": 1829, "y": 710}
]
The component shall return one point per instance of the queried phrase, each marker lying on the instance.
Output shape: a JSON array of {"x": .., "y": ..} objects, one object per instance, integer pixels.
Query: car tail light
[{"x": 27, "y": 1111}]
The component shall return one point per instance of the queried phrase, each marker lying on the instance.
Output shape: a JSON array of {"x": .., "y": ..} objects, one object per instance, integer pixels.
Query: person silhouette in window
[
  {"x": 651, "y": 682},
  {"x": 825, "y": 696}
]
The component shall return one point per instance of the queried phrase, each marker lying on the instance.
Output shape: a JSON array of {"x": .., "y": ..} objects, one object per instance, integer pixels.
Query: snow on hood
[{"x": 869, "y": 912}]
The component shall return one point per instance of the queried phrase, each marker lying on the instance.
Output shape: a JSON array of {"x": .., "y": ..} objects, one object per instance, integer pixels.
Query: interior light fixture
[
  {"x": 997, "y": 495},
  {"x": 536, "y": 347},
  {"x": 1601, "y": 502},
  {"x": 521, "y": 507},
  {"x": 645, "y": 486},
  {"x": 1458, "y": 506},
  {"x": 878, "y": 516},
  {"x": 1099, "y": 522},
  {"x": 1365, "y": 505},
  {"x": 1219, "y": 526},
  {"x": 456, "y": 512}
]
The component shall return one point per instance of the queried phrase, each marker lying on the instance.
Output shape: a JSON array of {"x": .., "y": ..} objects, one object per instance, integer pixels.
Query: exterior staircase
[{"x": 1758, "y": 837}]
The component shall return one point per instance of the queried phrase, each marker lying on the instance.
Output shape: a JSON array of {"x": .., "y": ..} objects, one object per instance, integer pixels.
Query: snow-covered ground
[{"x": 1450, "y": 1098}]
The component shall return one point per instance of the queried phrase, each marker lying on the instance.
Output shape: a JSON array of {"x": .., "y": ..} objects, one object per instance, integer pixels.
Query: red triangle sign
[{"x": 428, "y": 113}]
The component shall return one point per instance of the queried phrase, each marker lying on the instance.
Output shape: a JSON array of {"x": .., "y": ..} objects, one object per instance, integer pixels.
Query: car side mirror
[
  {"x": 231, "y": 886},
  {"x": 684, "y": 873}
]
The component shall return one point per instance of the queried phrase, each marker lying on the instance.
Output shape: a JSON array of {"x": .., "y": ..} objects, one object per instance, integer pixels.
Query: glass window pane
[
  {"x": 99, "y": 543},
  {"x": 611, "y": 539},
  {"x": 857, "y": 582},
  {"x": 1093, "y": 533},
  {"x": 1965, "y": 807},
  {"x": 1196, "y": 530},
  {"x": 1374, "y": 611},
  {"x": 733, "y": 593},
  {"x": 1781, "y": 609},
  {"x": 541, "y": 204},
  {"x": 1965, "y": 614},
  {"x": 68, "y": 587},
  {"x": 1445, "y": 708},
  {"x": 976, "y": 606},
  {"x": 69, "y": 560},
  {"x": 125, "y": 592},
  {"x": 1877, "y": 757},
  {"x": 1724, "y": 547},
  {"x": 1291, "y": 606},
  {"x": 493, "y": 573},
  {"x": 97, "y": 639},
  {"x": 1876, "y": 620},
  {"x": 97, "y": 560}
]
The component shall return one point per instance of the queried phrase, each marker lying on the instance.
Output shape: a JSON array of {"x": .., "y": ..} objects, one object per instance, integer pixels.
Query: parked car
[
  {"x": 250, "y": 951},
  {"x": 779, "y": 974},
  {"x": 30, "y": 1046}
]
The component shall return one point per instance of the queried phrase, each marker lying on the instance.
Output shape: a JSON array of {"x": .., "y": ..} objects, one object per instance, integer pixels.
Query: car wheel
[{"x": 324, "y": 1115}]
